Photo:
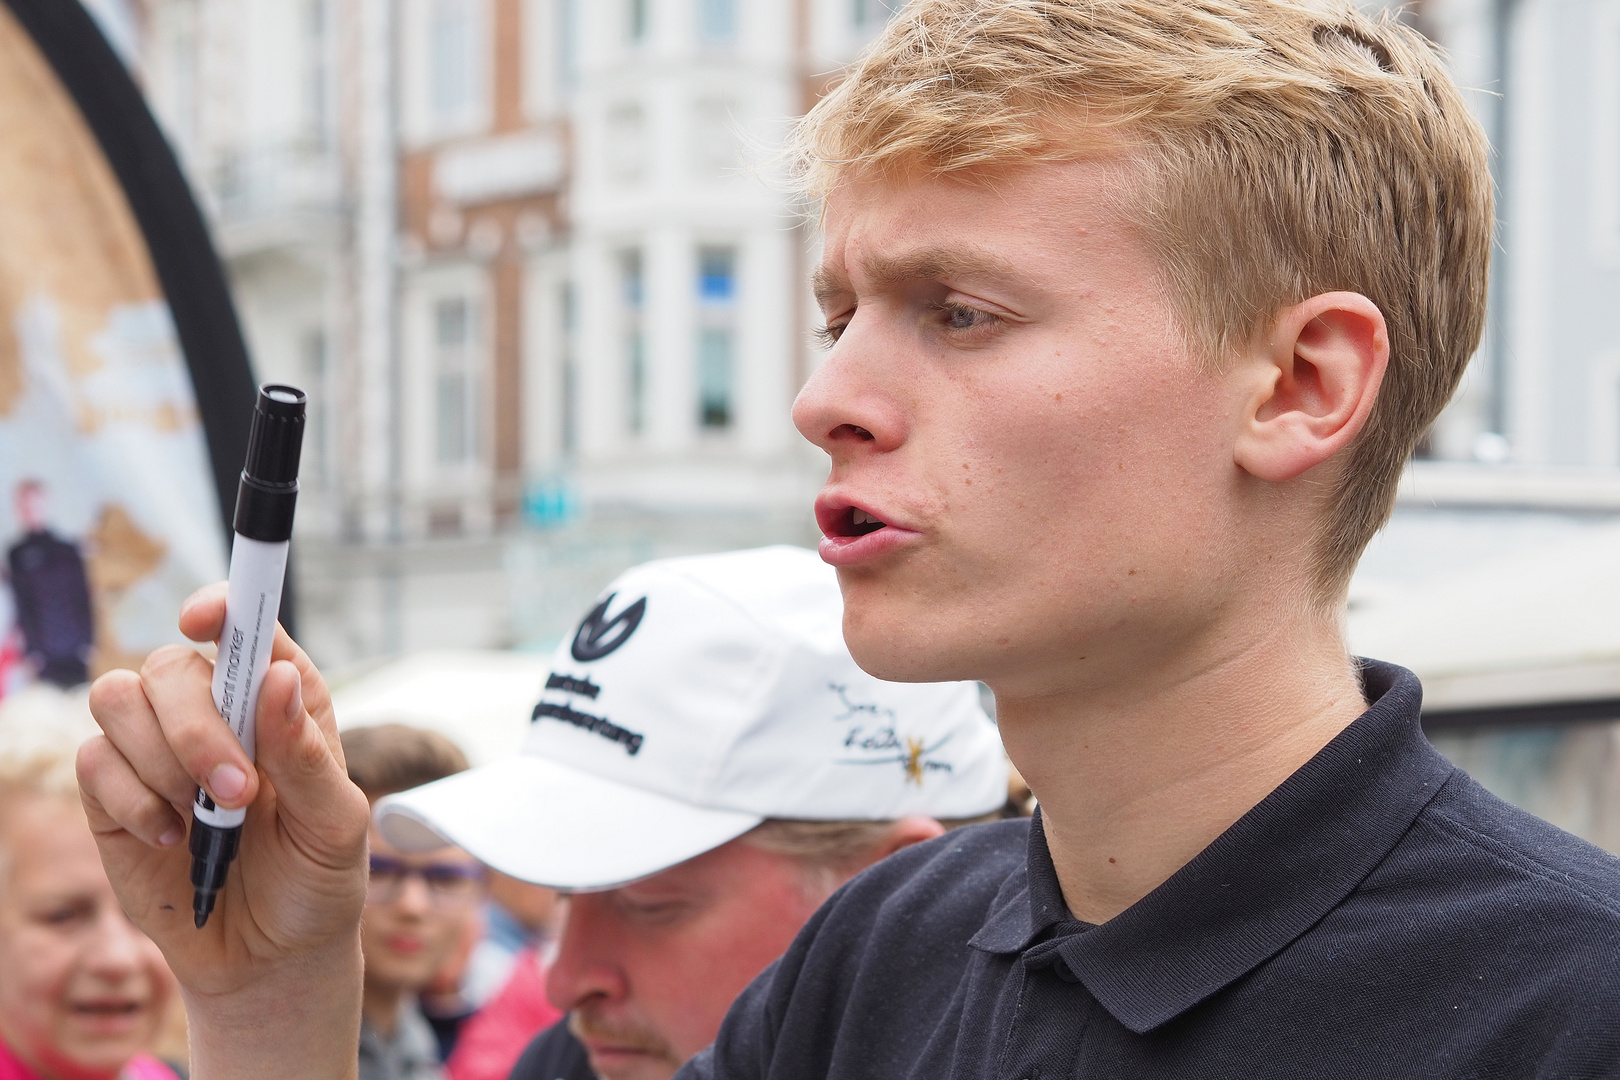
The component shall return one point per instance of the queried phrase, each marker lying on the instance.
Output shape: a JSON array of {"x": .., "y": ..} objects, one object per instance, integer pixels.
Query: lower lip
[
  {"x": 852, "y": 550},
  {"x": 612, "y": 1055},
  {"x": 405, "y": 946},
  {"x": 109, "y": 1023}
]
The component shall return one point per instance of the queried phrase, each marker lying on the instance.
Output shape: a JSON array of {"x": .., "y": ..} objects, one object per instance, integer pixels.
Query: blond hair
[
  {"x": 40, "y": 732},
  {"x": 41, "y": 728},
  {"x": 1281, "y": 150},
  {"x": 831, "y": 852}
]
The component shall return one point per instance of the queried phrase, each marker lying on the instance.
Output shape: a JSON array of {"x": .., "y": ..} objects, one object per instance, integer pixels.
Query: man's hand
[{"x": 277, "y": 969}]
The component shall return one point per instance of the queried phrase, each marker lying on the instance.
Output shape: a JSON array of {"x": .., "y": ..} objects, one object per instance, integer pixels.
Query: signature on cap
[{"x": 913, "y": 755}]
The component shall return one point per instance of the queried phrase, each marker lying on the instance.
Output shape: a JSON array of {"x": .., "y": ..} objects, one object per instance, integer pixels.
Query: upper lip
[{"x": 836, "y": 516}]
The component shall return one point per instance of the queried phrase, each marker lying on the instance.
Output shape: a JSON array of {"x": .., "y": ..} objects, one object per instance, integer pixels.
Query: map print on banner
[{"x": 108, "y": 517}]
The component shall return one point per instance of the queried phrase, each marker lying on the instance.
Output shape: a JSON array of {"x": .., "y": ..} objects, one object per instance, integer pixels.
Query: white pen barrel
[{"x": 252, "y": 601}]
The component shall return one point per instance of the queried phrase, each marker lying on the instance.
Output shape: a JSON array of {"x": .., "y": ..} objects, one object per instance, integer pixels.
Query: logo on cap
[{"x": 598, "y": 635}]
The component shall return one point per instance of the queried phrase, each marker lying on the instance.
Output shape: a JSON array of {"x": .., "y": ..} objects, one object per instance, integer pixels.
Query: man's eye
[
  {"x": 827, "y": 336},
  {"x": 654, "y": 911},
  {"x": 962, "y": 317}
]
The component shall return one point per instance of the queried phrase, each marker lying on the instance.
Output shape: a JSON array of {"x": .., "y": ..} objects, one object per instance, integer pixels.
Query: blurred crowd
[{"x": 467, "y": 969}]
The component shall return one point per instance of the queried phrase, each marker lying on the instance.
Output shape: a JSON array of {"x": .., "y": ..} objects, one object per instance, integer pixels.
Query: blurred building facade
[
  {"x": 532, "y": 260},
  {"x": 535, "y": 264}
]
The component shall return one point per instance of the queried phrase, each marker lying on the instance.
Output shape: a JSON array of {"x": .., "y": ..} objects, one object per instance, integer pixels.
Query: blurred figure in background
[
  {"x": 51, "y": 594},
  {"x": 84, "y": 994},
  {"x": 505, "y": 984},
  {"x": 519, "y": 921},
  {"x": 419, "y": 908}
]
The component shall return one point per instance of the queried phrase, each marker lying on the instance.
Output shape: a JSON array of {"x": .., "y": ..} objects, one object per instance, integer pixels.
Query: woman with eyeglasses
[{"x": 418, "y": 907}]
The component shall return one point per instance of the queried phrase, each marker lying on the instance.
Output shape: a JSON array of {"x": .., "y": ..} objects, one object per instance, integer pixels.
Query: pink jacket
[
  {"x": 140, "y": 1067},
  {"x": 492, "y": 1040}
]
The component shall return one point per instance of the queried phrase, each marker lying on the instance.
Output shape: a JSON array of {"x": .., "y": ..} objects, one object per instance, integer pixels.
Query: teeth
[{"x": 863, "y": 518}]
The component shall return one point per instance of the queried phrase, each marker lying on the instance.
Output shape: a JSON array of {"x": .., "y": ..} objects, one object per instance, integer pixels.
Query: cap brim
[{"x": 550, "y": 824}]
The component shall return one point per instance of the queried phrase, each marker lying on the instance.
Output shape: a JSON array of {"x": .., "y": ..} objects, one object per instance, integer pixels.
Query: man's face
[
  {"x": 31, "y": 507},
  {"x": 1011, "y": 393},
  {"x": 417, "y": 911},
  {"x": 650, "y": 969},
  {"x": 81, "y": 988}
]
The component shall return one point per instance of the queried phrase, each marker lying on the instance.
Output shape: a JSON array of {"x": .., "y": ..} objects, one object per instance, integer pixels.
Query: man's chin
[
  {"x": 617, "y": 1064},
  {"x": 899, "y": 640}
]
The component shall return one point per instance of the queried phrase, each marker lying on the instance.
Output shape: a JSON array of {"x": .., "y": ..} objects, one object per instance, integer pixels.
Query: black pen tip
[{"x": 202, "y": 904}]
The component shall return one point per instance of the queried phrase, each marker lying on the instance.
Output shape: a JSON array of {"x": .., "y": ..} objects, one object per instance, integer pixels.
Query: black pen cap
[
  {"x": 277, "y": 437},
  {"x": 268, "y": 493}
]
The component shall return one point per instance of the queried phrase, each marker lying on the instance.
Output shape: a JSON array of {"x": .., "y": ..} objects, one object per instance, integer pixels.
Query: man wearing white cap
[{"x": 705, "y": 766}]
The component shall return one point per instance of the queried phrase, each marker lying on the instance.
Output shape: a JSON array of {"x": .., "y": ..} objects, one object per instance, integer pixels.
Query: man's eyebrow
[
  {"x": 828, "y": 283},
  {"x": 931, "y": 264}
]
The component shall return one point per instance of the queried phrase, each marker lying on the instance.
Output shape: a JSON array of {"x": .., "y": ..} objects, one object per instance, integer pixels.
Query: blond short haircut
[
  {"x": 40, "y": 732},
  {"x": 1278, "y": 150}
]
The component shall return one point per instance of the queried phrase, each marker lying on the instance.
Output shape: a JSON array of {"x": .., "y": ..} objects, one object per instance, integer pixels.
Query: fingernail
[
  {"x": 172, "y": 837},
  {"x": 226, "y": 782},
  {"x": 295, "y": 704}
]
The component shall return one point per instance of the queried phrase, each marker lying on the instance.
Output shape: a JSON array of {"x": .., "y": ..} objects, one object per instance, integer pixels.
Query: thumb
[{"x": 313, "y": 790}]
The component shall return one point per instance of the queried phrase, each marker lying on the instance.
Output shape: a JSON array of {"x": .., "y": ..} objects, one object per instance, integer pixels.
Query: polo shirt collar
[{"x": 1260, "y": 885}]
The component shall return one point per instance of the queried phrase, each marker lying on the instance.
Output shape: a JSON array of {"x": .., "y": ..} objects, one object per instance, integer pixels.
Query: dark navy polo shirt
[{"x": 1377, "y": 915}]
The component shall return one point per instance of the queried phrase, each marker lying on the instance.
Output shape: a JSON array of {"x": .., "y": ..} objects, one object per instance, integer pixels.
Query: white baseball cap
[{"x": 700, "y": 696}]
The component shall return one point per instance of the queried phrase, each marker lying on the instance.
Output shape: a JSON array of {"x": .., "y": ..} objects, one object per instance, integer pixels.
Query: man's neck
[
  {"x": 1133, "y": 784},
  {"x": 380, "y": 1006}
]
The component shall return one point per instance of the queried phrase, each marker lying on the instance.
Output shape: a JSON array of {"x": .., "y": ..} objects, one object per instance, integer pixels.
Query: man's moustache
[{"x": 591, "y": 1027}]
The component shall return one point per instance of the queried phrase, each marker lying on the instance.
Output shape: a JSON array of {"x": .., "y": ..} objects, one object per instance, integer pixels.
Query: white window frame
[
  {"x": 423, "y": 121},
  {"x": 423, "y": 294}
]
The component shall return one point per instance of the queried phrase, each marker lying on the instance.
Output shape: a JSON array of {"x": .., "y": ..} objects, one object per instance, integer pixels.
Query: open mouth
[{"x": 857, "y": 522}]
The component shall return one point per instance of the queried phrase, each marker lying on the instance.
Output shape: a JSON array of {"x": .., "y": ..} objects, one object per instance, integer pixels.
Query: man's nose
[
  {"x": 586, "y": 966},
  {"x": 849, "y": 404}
]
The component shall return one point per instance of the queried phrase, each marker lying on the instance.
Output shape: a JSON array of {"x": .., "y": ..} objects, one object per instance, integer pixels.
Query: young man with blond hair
[{"x": 1137, "y": 307}]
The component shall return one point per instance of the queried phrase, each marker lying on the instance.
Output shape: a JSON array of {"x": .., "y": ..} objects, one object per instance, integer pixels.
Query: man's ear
[
  {"x": 1312, "y": 383},
  {"x": 905, "y": 832}
]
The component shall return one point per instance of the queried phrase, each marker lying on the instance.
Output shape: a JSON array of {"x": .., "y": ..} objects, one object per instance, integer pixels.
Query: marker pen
[{"x": 265, "y": 500}]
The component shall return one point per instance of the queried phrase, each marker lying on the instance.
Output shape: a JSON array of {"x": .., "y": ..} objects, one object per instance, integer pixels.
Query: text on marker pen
[{"x": 265, "y": 501}]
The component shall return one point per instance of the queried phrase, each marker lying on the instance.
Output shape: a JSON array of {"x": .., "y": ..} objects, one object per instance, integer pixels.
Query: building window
[
  {"x": 456, "y": 373},
  {"x": 318, "y": 424},
  {"x": 717, "y": 331},
  {"x": 570, "y": 373},
  {"x": 626, "y": 142},
  {"x": 454, "y": 63},
  {"x": 632, "y": 302},
  {"x": 717, "y": 21},
  {"x": 568, "y": 42},
  {"x": 716, "y": 149},
  {"x": 635, "y": 20},
  {"x": 314, "y": 79}
]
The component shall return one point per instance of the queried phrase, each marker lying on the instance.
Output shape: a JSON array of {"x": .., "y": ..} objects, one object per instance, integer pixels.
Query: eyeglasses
[{"x": 449, "y": 885}]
